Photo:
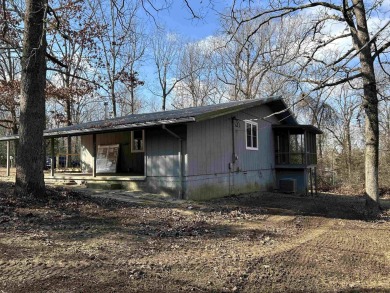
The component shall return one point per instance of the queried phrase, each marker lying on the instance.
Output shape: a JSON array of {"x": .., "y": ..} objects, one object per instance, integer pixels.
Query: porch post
[
  {"x": 315, "y": 180},
  {"x": 311, "y": 181},
  {"x": 145, "y": 157},
  {"x": 306, "y": 181},
  {"x": 288, "y": 147},
  {"x": 180, "y": 159},
  {"x": 52, "y": 156},
  {"x": 305, "y": 139},
  {"x": 8, "y": 159},
  {"x": 94, "y": 155}
]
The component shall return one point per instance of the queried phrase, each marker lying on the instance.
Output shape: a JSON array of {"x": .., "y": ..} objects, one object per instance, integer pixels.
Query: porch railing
[
  {"x": 295, "y": 158},
  {"x": 64, "y": 162}
]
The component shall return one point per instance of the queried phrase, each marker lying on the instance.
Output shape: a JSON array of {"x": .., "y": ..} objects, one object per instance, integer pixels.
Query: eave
[{"x": 64, "y": 133}]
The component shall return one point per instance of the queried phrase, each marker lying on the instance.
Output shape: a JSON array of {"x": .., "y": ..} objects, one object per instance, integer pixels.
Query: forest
[{"x": 329, "y": 60}]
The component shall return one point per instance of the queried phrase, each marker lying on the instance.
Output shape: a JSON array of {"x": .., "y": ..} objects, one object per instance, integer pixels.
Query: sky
[{"x": 178, "y": 18}]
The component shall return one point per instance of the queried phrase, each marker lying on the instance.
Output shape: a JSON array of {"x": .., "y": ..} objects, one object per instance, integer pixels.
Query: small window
[
  {"x": 251, "y": 135},
  {"x": 137, "y": 141}
]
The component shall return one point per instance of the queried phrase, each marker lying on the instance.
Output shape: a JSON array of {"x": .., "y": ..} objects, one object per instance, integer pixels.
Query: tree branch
[
  {"x": 76, "y": 76},
  {"x": 55, "y": 60}
]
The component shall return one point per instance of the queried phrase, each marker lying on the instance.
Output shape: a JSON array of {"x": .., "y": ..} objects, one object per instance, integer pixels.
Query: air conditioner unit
[{"x": 287, "y": 185}]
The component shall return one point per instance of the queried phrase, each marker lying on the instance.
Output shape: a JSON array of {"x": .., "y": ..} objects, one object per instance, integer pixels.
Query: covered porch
[
  {"x": 96, "y": 157},
  {"x": 296, "y": 158}
]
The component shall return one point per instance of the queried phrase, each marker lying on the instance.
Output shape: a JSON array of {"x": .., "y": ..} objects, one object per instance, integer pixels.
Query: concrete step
[{"x": 104, "y": 185}]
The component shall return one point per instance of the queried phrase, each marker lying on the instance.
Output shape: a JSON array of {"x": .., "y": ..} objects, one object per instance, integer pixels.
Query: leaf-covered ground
[{"x": 254, "y": 243}]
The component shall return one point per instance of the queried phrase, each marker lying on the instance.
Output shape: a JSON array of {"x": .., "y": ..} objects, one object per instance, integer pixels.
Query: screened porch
[{"x": 295, "y": 145}]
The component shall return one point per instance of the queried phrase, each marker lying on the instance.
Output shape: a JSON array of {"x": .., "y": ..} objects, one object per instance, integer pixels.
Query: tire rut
[
  {"x": 324, "y": 258},
  {"x": 291, "y": 247}
]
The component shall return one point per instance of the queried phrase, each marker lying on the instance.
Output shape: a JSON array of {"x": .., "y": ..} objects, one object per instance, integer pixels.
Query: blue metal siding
[
  {"x": 161, "y": 153},
  {"x": 263, "y": 158},
  {"x": 209, "y": 146},
  {"x": 210, "y": 150}
]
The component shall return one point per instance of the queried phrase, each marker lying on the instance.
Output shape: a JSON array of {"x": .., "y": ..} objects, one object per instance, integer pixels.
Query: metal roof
[{"x": 186, "y": 115}]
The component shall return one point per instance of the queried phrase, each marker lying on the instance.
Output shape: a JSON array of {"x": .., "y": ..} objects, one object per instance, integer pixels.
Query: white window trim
[
  {"x": 257, "y": 135},
  {"x": 132, "y": 142}
]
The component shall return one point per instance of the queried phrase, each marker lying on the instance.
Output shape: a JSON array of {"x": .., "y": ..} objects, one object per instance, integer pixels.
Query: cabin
[{"x": 195, "y": 153}]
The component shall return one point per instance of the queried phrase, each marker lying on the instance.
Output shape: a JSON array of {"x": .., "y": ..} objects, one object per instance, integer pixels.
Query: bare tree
[
  {"x": 130, "y": 78},
  {"x": 9, "y": 89},
  {"x": 166, "y": 50},
  {"x": 352, "y": 15},
  {"x": 247, "y": 62},
  {"x": 10, "y": 53},
  {"x": 73, "y": 46},
  {"x": 346, "y": 109},
  {"x": 127, "y": 99},
  {"x": 199, "y": 83},
  {"x": 118, "y": 30},
  {"x": 384, "y": 123}
]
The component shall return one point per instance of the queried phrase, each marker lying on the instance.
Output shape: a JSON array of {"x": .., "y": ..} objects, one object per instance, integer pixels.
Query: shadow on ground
[{"x": 77, "y": 215}]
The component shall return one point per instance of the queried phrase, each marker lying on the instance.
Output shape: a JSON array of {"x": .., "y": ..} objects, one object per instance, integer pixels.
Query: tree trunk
[
  {"x": 29, "y": 171},
  {"x": 164, "y": 101},
  {"x": 370, "y": 105},
  {"x": 113, "y": 100},
  {"x": 347, "y": 149},
  {"x": 69, "y": 138},
  {"x": 69, "y": 120},
  {"x": 132, "y": 99}
]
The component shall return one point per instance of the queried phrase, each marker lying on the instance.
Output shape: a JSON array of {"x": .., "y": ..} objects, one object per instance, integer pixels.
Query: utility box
[{"x": 288, "y": 185}]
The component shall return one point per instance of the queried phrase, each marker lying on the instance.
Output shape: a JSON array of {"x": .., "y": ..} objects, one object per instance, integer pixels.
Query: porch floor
[{"x": 99, "y": 176}]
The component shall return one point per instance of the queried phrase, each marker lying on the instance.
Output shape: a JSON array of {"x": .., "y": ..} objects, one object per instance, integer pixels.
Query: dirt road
[{"x": 253, "y": 243}]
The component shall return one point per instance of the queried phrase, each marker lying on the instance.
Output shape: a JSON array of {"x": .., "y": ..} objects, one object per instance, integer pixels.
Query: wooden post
[
  {"x": 8, "y": 159},
  {"x": 180, "y": 152},
  {"x": 311, "y": 181},
  {"x": 145, "y": 157},
  {"x": 94, "y": 155},
  {"x": 305, "y": 146},
  {"x": 315, "y": 180},
  {"x": 52, "y": 156},
  {"x": 306, "y": 181},
  {"x": 288, "y": 147}
]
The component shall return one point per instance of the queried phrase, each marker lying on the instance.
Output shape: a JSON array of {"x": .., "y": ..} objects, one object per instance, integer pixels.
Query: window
[
  {"x": 137, "y": 141},
  {"x": 251, "y": 135}
]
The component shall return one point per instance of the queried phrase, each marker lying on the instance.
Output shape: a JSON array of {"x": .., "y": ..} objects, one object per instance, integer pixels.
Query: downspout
[
  {"x": 234, "y": 156},
  {"x": 234, "y": 159},
  {"x": 179, "y": 157}
]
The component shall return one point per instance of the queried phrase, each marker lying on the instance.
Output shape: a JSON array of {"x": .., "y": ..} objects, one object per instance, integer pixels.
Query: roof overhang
[
  {"x": 276, "y": 104},
  {"x": 64, "y": 133},
  {"x": 9, "y": 137},
  {"x": 298, "y": 129},
  {"x": 280, "y": 109}
]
